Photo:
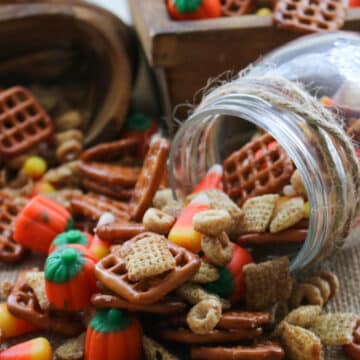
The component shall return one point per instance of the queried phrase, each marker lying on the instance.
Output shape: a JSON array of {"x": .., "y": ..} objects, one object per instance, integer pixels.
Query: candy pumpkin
[
  {"x": 112, "y": 335},
  {"x": 194, "y": 9},
  {"x": 231, "y": 284},
  {"x": 39, "y": 222},
  {"x": 71, "y": 237},
  {"x": 69, "y": 278},
  {"x": 140, "y": 127}
]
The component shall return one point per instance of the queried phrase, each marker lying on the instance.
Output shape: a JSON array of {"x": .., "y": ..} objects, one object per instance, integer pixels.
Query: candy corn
[
  {"x": 35, "y": 349},
  {"x": 327, "y": 101},
  {"x": 183, "y": 233},
  {"x": 99, "y": 248},
  {"x": 12, "y": 326},
  {"x": 212, "y": 180}
]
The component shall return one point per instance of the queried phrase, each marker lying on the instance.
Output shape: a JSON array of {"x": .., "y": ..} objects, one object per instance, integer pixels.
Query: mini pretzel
[
  {"x": 217, "y": 249},
  {"x": 235, "y": 7},
  {"x": 119, "y": 232},
  {"x": 157, "y": 221},
  {"x": 110, "y": 150},
  {"x": 110, "y": 174},
  {"x": 164, "y": 306},
  {"x": 306, "y": 293},
  {"x": 22, "y": 302},
  {"x": 117, "y": 192},
  {"x": 247, "y": 175},
  {"x": 207, "y": 273},
  {"x": 204, "y": 316},
  {"x": 185, "y": 336},
  {"x": 23, "y": 123},
  {"x": 259, "y": 352},
  {"x": 91, "y": 206},
  {"x": 111, "y": 271},
  {"x": 353, "y": 350},
  {"x": 212, "y": 222},
  {"x": 10, "y": 251},
  {"x": 150, "y": 177},
  {"x": 291, "y": 236}
]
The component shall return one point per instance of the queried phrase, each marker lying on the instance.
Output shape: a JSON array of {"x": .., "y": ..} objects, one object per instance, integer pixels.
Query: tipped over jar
[{"x": 295, "y": 112}]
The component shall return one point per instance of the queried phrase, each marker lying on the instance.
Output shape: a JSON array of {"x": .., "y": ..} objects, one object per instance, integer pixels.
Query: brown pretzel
[
  {"x": 10, "y": 251},
  {"x": 260, "y": 167},
  {"x": 259, "y": 352},
  {"x": 91, "y": 206},
  {"x": 231, "y": 320},
  {"x": 353, "y": 350},
  {"x": 120, "y": 231},
  {"x": 236, "y": 7},
  {"x": 110, "y": 174},
  {"x": 110, "y": 150},
  {"x": 150, "y": 178},
  {"x": 112, "y": 272},
  {"x": 22, "y": 302},
  {"x": 186, "y": 336},
  {"x": 164, "y": 306},
  {"x": 116, "y": 192},
  {"x": 310, "y": 15},
  {"x": 290, "y": 236},
  {"x": 23, "y": 122}
]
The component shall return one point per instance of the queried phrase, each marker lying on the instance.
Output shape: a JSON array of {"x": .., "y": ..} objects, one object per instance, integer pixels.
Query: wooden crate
[{"x": 185, "y": 54}]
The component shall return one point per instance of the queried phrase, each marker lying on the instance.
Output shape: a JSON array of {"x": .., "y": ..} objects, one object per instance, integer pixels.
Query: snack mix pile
[{"x": 132, "y": 273}]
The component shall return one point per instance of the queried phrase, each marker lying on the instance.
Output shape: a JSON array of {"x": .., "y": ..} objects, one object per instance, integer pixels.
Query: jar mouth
[{"x": 287, "y": 132}]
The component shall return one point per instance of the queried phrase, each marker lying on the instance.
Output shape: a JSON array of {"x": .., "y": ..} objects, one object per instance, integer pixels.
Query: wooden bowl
[{"x": 70, "y": 44}]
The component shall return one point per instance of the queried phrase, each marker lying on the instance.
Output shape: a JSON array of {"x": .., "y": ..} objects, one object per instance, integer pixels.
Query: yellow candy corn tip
[
  {"x": 186, "y": 237},
  {"x": 41, "y": 349},
  {"x": 34, "y": 166},
  {"x": 307, "y": 210},
  {"x": 100, "y": 251},
  {"x": 264, "y": 12}
]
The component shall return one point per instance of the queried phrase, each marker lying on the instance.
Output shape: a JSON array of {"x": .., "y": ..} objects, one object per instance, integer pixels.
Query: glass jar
[{"x": 229, "y": 115}]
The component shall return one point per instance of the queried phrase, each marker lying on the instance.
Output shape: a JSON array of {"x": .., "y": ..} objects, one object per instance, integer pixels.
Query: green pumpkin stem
[
  {"x": 109, "y": 320},
  {"x": 70, "y": 224},
  {"x": 138, "y": 122},
  {"x": 187, "y": 6},
  {"x": 224, "y": 286},
  {"x": 63, "y": 264},
  {"x": 70, "y": 237}
]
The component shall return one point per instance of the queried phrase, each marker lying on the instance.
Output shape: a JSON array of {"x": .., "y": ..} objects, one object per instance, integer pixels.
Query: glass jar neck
[{"x": 199, "y": 143}]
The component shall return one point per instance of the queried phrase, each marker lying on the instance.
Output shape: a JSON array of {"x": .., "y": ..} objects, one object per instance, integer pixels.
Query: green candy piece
[
  {"x": 187, "y": 6},
  {"x": 138, "y": 122},
  {"x": 109, "y": 320},
  {"x": 63, "y": 264},
  {"x": 70, "y": 237},
  {"x": 70, "y": 224},
  {"x": 224, "y": 286}
]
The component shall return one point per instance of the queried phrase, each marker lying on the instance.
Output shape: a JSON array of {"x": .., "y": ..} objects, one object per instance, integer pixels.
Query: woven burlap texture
[{"x": 346, "y": 264}]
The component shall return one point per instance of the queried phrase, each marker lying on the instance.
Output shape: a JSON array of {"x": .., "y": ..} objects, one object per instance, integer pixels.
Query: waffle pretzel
[
  {"x": 258, "y": 352},
  {"x": 23, "y": 122},
  {"x": 248, "y": 172},
  {"x": 91, "y": 206},
  {"x": 10, "y": 251},
  {"x": 235, "y": 7},
  {"x": 309, "y": 16},
  {"x": 150, "y": 177},
  {"x": 22, "y": 302},
  {"x": 111, "y": 271},
  {"x": 166, "y": 305}
]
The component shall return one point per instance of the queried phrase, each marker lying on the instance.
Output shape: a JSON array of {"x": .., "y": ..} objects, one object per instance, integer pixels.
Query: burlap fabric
[{"x": 346, "y": 264}]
